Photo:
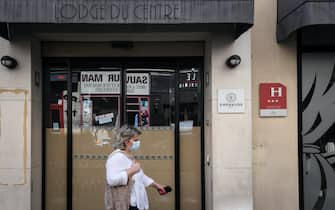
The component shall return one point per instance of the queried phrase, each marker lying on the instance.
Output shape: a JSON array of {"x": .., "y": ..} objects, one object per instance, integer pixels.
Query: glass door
[
  {"x": 55, "y": 146},
  {"x": 150, "y": 105},
  {"x": 190, "y": 138},
  {"x": 98, "y": 114},
  {"x": 85, "y": 104}
]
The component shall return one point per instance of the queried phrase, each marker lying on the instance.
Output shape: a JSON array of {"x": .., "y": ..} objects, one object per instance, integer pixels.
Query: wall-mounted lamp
[
  {"x": 8, "y": 62},
  {"x": 233, "y": 61}
]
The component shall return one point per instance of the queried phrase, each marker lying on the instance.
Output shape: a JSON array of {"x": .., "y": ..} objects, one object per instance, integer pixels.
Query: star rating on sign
[{"x": 273, "y": 101}]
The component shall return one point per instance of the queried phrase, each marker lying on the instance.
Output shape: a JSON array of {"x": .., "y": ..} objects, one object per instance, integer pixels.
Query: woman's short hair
[{"x": 124, "y": 133}]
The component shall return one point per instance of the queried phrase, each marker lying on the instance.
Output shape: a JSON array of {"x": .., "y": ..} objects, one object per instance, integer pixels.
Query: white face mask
[{"x": 136, "y": 145}]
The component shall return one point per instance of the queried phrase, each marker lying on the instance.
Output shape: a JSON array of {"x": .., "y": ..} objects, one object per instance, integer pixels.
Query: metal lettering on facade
[
  {"x": 117, "y": 11},
  {"x": 184, "y": 15}
]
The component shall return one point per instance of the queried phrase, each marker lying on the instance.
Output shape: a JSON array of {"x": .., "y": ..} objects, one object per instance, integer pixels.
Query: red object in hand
[
  {"x": 161, "y": 192},
  {"x": 165, "y": 191}
]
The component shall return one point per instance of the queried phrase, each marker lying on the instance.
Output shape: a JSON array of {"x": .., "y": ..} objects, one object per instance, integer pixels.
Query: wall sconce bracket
[
  {"x": 233, "y": 61},
  {"x": 8, "y": 61}
]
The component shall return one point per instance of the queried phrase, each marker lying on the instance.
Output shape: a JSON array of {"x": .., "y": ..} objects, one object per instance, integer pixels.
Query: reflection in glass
[
  {"x": 55, "y": 143},
  {"x": 190, "y": 138},
  {"x": 150, "y": 106},
  {"x": 98, "y": 108}
]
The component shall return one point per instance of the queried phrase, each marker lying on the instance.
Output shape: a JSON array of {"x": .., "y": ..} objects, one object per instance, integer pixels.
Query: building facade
[{"x": 194, "y": 76}]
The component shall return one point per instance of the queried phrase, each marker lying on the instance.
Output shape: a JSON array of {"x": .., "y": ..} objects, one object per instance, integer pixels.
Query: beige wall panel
[
  {"x": 235, "y": 191},
  {"x": 13, "y": 137},
  {"x": 231, "y": 132},
  {"x": 234, "y": 150},
  {"x": 15, "y": 134},
  {"x": 275, "y": 140},
  {"x": 17, "y": 198}
]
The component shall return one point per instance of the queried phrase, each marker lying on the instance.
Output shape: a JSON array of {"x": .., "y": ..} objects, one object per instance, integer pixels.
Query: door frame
[{"x": 177, "y": 63}]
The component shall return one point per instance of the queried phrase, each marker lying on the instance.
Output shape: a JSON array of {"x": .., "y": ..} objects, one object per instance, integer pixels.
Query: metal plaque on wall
[{"x": 231, "y": 101}]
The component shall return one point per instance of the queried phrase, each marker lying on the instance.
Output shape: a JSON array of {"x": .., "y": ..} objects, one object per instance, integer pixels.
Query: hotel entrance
[{"x": 87, "y": 99}]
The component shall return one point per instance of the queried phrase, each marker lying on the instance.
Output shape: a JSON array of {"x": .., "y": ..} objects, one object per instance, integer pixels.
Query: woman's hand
[
  {"x": 134, "y": 168},
  {"x": 160, "y": 188}
]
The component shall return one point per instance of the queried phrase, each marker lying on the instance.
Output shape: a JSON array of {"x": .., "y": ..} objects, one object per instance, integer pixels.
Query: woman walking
[{"x": 126, "y": 181}]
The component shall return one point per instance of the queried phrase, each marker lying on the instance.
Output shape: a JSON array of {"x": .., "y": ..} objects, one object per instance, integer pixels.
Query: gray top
[
  {"x": 296, "y": 14},
  {"x": 163, "y": 12}
]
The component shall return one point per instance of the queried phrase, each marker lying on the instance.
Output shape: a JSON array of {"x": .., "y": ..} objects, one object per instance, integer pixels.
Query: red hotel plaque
[{"x": 272, "y": 100}]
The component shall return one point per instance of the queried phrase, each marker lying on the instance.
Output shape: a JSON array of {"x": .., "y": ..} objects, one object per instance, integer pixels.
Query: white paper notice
[
  {"x": 105, "y": 118},
  {"x": 101, "y": 82},
  {"x": 108, "y": 82}
]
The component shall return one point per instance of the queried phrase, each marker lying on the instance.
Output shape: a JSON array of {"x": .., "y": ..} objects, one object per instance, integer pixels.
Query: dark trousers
[{"x": 133, "y": 208}]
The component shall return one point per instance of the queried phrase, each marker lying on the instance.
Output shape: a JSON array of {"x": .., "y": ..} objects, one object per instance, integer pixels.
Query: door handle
[{"x": 208, "y": 160}]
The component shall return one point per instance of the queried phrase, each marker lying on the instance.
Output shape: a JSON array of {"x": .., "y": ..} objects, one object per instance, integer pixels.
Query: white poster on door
[
  {"x": 104, "y": 118},
  {"x": 108, "y": 82},
  {"x": 100, "y": 82},
  {"x": 138, "y": 84}
]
